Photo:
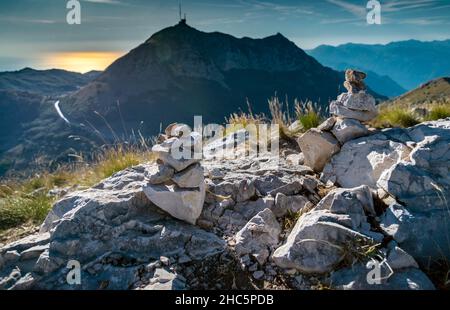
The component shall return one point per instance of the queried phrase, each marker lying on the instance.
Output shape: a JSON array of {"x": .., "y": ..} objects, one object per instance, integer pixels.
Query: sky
[{"x": 35, "y": 33}]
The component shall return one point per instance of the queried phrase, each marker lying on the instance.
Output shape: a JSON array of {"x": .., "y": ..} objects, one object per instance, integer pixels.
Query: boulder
[
  {"x": 411, "y": 165},
  {"x": 317, "y": 242},
  {"x": 123, "y": 187},
  {"x": 417, "y": 188},
  {"x": 356, "y": 202},
  {"x": 318, "y": 147},
  {"x": 348, "y": 200},
  {"x": 423, "y": 182},
  {"x": 267, "y": 183},
  {"x": 290, "y": 204},
  {"x": 258, "y": 236},
  {"x": 363, "y": 160},
  {"x": 424, "y": 235},
  {"x": 348, "y": 129},
  {"x": 356, "y": 278},
  {"x": 399, "y": 259}
]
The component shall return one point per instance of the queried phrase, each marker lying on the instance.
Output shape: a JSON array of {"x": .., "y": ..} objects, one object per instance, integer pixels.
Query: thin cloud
[
  {"x": 258, "y": 5},
  {"x": 16, "y": 19},
  {"x": 407, "y": 5},
  {"x": 437, "y": 20},
  {"x": 350, "y": 20},
  {"x": 114, "y": 2},
  {"x": 220, "y": 21},
  {"x": 357, "y": 10}
]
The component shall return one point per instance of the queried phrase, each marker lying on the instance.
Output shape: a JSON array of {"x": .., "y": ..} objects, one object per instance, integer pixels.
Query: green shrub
[
  {"x": 397, "y": 117},
  {"x": 308, "y": 114},
  {"x": 18, "y": 209},
  {"x": 310, "y": 120},
  {"x": 439, "y": 111}
]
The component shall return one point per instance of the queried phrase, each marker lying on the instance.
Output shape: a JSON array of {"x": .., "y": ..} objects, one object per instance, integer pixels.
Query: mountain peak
[
  {"x": 179, "y": 30},
  {"x": 27, "y": 69},
  {"x": 183, "y": 24}
]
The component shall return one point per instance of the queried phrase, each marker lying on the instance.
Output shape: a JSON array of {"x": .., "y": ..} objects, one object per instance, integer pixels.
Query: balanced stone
[
  {"x": 354, "y": 81},
  {"x": 348, "y": 129},
  {"x": 358, "y": 101}
]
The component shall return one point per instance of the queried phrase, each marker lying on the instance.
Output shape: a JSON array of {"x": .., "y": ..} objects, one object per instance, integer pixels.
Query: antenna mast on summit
[{"x": 182, "y": 19}]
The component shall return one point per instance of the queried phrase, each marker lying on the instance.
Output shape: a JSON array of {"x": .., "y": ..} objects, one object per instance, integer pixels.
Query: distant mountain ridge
[
  {"x": 44, "y": 82},
  {"x": 28, "y": 127},
  {"x": 409, "y": 63},
  {"x": 383, "y": 84},
  {"x": 435, "y": 91}
]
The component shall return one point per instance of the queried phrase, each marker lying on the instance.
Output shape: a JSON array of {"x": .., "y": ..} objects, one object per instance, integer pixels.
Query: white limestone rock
[
  {"x": 318, "y": 147},
  {"x": 316, "y": 243},
  {"x": 181, "y": 203},
  {"x": 348, "y": 129},
  {"x": 258, "y": 236}
]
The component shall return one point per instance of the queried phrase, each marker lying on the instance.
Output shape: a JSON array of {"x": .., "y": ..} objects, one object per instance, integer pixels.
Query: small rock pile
[
  {"x": 356, "y": 103},
  {"x": 176, "y": 184},
  {"x": 349, "y": 110}
]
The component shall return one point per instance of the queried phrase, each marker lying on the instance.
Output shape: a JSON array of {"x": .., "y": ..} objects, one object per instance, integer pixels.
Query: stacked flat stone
[
  {"x": 348, "y": 111},
  {"x": 176, "y": 184}
]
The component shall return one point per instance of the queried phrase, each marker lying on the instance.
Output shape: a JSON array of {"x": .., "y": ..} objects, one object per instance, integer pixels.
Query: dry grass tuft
[{"x": 405, "y": 116}]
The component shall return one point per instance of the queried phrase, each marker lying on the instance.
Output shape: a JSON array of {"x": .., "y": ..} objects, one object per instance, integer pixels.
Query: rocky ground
[
  {"x": 259, "y": 227},
  {"x": 347, "y": 208}
]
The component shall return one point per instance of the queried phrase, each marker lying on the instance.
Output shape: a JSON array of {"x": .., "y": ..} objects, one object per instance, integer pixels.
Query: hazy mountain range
[
  {"x": 45, "y": 82},
  {"x": 408, "y": 63},
  {"x": 29, "y": 127}
]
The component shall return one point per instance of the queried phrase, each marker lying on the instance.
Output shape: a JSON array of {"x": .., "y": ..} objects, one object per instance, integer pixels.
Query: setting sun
[{"x": 81, "y": 61}]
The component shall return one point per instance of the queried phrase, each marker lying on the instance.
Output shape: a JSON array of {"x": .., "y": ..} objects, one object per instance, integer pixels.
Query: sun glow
[{"x": 81, "y": 61}]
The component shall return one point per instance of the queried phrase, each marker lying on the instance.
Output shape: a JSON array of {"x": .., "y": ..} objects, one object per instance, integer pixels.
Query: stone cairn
[
  {"x": 176, "y": 184},
  {"x": 349, "y": 112}
]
